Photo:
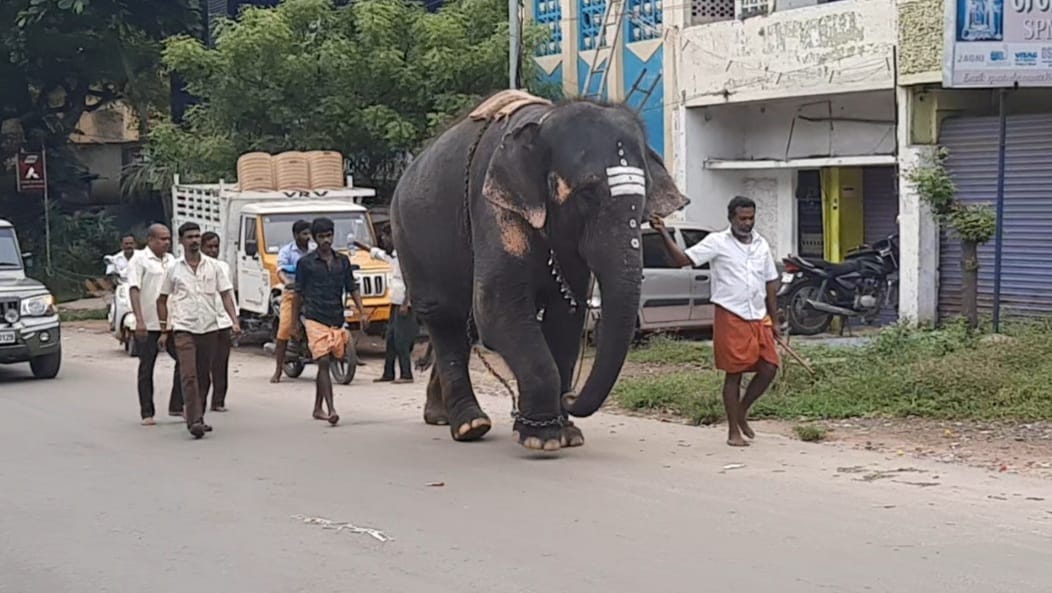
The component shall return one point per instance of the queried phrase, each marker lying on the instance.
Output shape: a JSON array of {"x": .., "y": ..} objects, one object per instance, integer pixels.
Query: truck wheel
[
  {"x": 343, "y": 370},
  {"x": 294, "y": 369},
  {"x": 47, "y": 366}
]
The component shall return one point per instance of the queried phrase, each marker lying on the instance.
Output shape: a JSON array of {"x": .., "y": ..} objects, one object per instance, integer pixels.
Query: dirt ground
[{"x": 1024, "y": 449}]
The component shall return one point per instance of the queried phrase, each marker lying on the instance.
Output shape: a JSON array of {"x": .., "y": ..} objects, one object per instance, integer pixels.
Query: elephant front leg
[
  {"x": 563, "y": 334},
  {"x": 517, "y": 337}
]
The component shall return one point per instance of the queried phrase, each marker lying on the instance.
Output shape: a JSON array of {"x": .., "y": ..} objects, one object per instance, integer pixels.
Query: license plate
[
  {"x": 787, "y": 278},
  {"x": 7, "y": 337}
]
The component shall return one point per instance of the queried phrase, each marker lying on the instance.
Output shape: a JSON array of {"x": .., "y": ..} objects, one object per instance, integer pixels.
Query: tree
[
  {"x": 373, "y": 79},
  {"x": 974, "y": 224},
  {"x": 62, "y": 58}
]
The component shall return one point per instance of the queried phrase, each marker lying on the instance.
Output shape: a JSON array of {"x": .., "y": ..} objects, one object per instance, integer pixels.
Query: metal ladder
[
  {"x": 638, "y": 18},
  {"x": 613, "y": 10}
]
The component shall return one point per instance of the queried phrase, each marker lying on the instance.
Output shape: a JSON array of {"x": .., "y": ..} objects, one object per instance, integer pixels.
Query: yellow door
[{"x": 841, "y": 210}]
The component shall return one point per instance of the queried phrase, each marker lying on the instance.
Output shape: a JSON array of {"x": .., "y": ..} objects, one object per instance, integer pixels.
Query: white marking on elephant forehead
[{"x": 626, "y": 181}]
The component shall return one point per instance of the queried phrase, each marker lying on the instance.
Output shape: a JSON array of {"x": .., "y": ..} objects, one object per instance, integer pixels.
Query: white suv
[{"x": 672, "y": 298}]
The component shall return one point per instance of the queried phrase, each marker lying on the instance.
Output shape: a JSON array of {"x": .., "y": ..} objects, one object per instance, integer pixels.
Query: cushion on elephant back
[{"x": 505, "y": 103}]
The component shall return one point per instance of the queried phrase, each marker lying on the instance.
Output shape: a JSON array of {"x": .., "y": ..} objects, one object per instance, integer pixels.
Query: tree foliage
[
  {"x": 975, "y": 223},
  {"x": 62, "y": 58},
  {"x": 373, "y": 79}
]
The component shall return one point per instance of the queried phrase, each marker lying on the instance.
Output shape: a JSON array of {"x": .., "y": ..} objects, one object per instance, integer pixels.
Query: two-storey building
[{"x": 793, "y": 104}]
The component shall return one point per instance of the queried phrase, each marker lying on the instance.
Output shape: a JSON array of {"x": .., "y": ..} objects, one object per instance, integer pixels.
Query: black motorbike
[
  {"x": 298, "y": 356},
  {"x": 814, "y": 291}
]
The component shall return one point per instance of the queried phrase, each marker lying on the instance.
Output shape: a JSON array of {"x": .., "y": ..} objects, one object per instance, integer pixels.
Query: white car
[{"x": 672, "y": 298}]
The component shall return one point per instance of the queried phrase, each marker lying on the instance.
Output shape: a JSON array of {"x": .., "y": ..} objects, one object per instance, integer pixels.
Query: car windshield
[
  {"x": 350, "y": 226},
  {"x": 9, "y": 256}
]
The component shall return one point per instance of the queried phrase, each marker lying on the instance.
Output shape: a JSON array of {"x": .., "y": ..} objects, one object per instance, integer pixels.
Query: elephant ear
[
  {"x": 663, "y": 197},
  {"x": 516, "y": 179}
]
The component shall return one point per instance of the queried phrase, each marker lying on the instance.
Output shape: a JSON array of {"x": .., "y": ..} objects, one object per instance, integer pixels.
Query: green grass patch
[
  {"x": 810, "y": 433},
  {"x": 945, "y": 373},
  {"x": 662, "y": 349}
]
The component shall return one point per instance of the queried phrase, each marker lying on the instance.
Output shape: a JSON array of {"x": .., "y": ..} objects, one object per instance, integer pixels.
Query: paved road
[{"x": 93, "y": 502}]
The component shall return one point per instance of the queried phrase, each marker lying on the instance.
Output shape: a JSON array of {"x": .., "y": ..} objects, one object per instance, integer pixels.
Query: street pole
[
  {"x": 47, "y": 211},
  {"x": 998, "y": 236},
  {"x": 513, "y": 43}
]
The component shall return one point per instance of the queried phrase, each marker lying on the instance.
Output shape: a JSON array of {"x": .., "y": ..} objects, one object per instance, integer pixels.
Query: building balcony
[{"x": 752, "y": 50}]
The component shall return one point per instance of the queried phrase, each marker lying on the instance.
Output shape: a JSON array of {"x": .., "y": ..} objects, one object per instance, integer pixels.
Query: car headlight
[{"x": 38, "y": 306}]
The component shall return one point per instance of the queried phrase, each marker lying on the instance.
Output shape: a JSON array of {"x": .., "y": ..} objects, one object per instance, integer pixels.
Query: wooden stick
[{"x": 795, "y": 355}]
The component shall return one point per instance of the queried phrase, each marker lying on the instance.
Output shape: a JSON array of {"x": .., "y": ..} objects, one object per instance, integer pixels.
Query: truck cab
[
  {"x": 265, "y": 228},
  {"x": 29, "y": 322}
]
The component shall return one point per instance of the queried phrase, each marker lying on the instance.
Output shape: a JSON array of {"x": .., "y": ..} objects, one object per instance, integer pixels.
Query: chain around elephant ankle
[{"x": 557, "y": 421}]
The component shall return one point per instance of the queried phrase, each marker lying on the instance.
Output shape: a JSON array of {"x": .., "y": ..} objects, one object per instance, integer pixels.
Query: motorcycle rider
[
  {"x": 117, "y": 273},
  {"x": 288, "y": 315},
  {"x": 117, "y": 264},
  {"x": 744, "y": 292}
]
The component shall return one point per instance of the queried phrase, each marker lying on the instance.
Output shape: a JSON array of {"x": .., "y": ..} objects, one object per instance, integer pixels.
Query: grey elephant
[{"x": 499, "y": 223}]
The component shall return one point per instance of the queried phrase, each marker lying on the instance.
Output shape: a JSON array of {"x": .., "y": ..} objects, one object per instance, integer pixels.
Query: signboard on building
[
  {"x": 997, "y": 43},
  {"x": 32, "y": 176}
]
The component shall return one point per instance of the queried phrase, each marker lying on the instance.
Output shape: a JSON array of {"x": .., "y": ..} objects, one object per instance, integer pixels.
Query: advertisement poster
[{"x": 998, "y": 43}]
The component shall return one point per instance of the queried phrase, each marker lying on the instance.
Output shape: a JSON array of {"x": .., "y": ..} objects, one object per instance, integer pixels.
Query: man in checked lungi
[{"x": 744, "y": 292}]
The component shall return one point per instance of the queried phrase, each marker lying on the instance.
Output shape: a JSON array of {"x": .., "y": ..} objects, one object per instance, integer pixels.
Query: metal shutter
[
  {"x": 1026, "y": 273},
  {"x": 880, "y": 202},
  {"x": 880, "y": 207}
]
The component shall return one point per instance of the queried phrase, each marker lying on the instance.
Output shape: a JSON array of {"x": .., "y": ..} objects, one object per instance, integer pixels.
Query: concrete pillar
[
  {"x": 571, "y": 81},
  {"x": 675, "y": 17},
  {"x": 918, "y": 231}
]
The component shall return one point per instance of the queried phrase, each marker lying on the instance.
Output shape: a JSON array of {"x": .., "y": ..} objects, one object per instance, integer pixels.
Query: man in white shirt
[
  {"x": 218, "y": 378},
  {"x": 744, "y": 290},
  {"x": 190, "y": 294},
  {"x": 402, "y": 328},
  {"x": 146, "y": 272},
  {"x": 118, "y": 264}
]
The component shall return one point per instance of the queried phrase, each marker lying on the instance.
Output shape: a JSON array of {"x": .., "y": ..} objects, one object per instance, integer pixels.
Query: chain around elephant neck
[{"x": 472, "y": 327}]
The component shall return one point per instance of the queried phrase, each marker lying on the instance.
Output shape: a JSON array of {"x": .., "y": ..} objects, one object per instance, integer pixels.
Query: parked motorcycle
[
  {"x": 814, "y": 291},
  {"x": 120, "y": 316}
]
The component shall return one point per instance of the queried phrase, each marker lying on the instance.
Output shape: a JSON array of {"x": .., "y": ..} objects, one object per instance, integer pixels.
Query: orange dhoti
[
  {"x": 739, "y": 344},
  {"x": 325, "y": 340}
]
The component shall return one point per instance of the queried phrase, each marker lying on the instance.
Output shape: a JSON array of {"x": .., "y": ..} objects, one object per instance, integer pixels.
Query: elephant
[{"x": 499, "y": 223}]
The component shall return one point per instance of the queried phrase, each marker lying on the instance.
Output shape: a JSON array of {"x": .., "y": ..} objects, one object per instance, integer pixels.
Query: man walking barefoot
[
  {"x": 289, "y": 313},
  {"x": 218, "y": 378},
  {"x": 195, "y": 284},
  {"x": 744, "y": 290},
  {"x": 322, "y": 278},
  {"x": 146, "y": 272}
]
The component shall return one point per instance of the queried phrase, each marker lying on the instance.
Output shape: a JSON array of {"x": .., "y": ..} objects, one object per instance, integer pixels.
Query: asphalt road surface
[{"x": 94, "y": 502}]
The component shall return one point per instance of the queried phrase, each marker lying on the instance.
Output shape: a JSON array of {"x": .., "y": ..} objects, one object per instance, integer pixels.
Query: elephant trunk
[{"x": 619, "y": 284}]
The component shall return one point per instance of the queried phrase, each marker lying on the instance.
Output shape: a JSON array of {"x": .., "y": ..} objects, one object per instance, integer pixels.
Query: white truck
[{"x": 254, "y": 225}]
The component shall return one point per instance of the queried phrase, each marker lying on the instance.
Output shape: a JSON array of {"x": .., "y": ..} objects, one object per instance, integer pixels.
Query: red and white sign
[{"x": 32, "y": 176}]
